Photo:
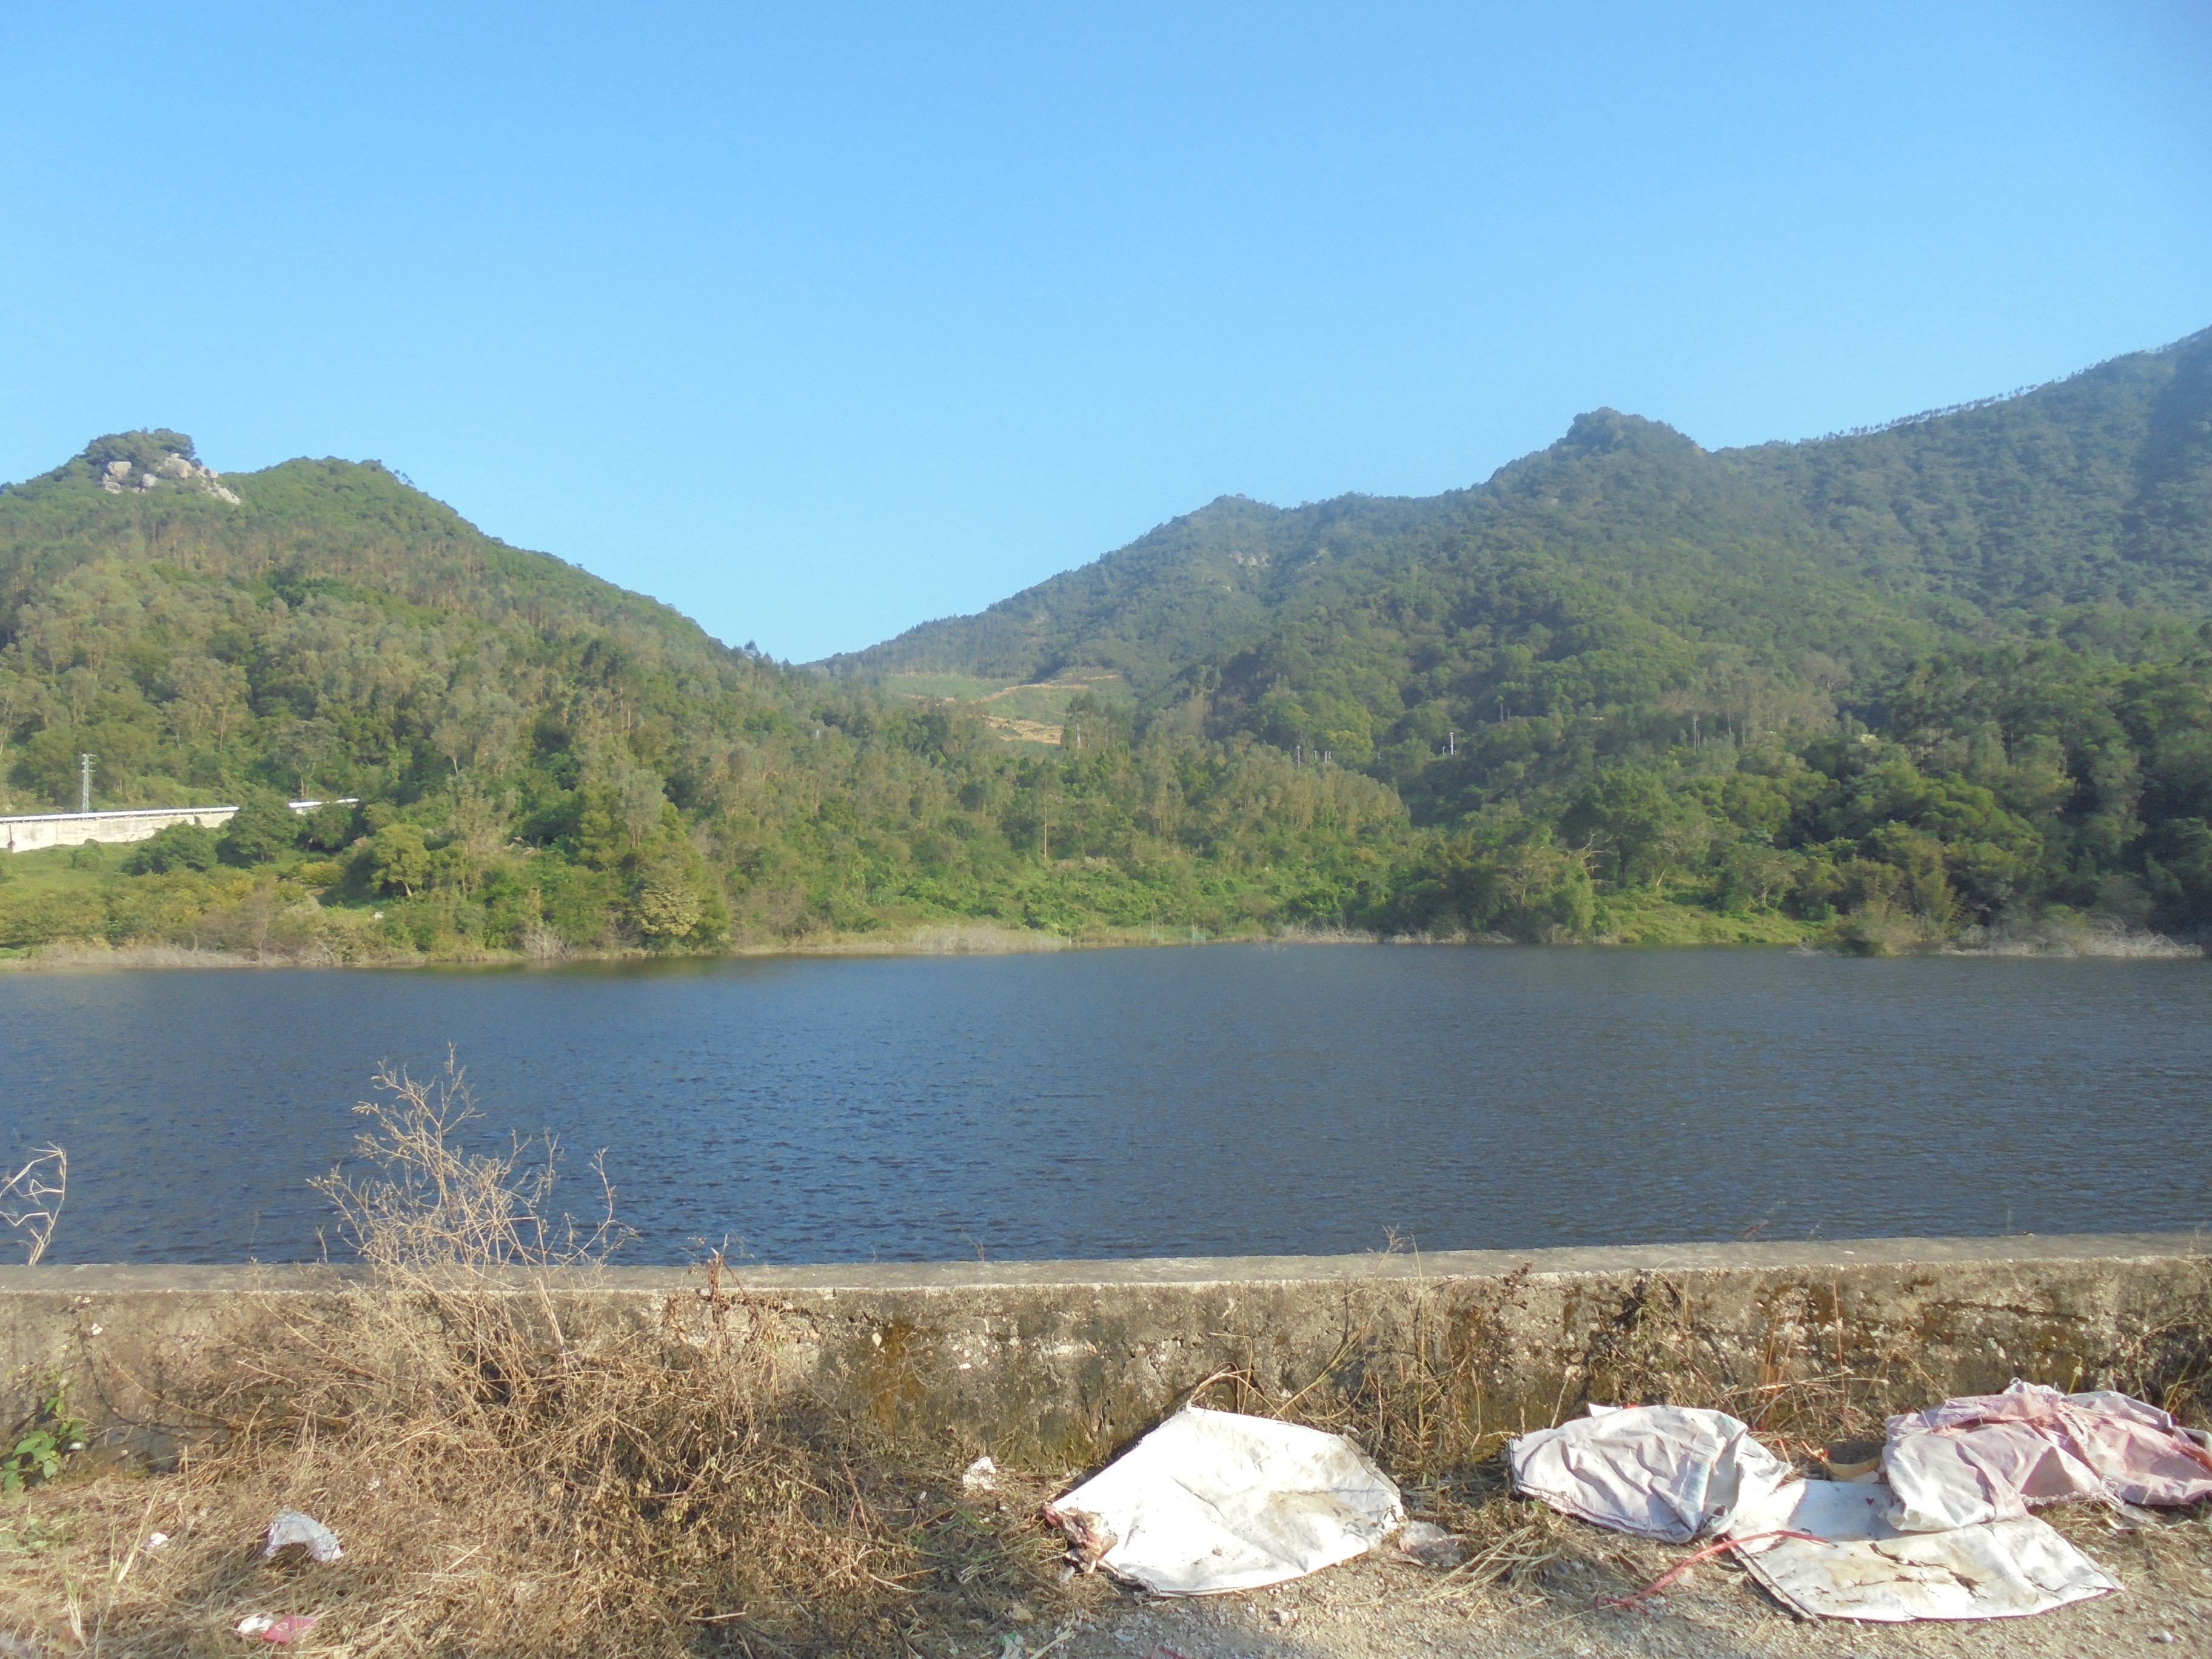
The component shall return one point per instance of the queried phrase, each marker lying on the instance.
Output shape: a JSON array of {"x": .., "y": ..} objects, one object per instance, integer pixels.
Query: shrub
[
  {"x": 179, "y": 847},
  {"x": 263, "y": 829},
  {"x": 667, "y": 904},
  {"x": 50, "y": 1437},
  {"x": 42, "y": 915}
]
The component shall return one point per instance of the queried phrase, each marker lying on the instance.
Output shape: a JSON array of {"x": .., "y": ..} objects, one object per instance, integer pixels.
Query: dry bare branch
[{"x": 31, "y": 1201}]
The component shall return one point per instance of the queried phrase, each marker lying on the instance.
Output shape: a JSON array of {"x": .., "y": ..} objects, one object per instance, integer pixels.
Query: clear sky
[{"x": 818, "y": 321}]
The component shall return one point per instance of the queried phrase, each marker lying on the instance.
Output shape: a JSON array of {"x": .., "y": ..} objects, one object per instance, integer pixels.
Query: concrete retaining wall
[
  {"x": 44, "y": 829},
  {"x": 1067, "y": 1360}
]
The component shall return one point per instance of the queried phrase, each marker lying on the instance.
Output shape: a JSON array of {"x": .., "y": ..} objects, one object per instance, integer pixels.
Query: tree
[
  {"x": 667, "y": 902},
  {"x": 330, "y": 826},
  {"x": 399, "y": 860},
  {"x": 302, "y": 749},
  {"x": 643, "y": 794},
  {"x": 263, "y": 829}
]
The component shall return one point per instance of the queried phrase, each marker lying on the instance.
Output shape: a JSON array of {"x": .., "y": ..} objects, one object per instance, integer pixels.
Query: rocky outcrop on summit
[
  {"x": 172, "y": 469},
  {"x": 150, "y": 461}
]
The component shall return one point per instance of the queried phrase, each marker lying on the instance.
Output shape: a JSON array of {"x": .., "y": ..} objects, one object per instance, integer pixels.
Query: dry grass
[
  {"x": 1432, "y": 1402},
  {"x": 504, "y": 1488},
  {"x": 2170, "y": 1363},
  {"x": 79, "y": 954}
]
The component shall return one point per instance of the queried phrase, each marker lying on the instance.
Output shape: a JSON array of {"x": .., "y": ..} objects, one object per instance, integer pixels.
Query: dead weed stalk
[{"x": 31, "y": 1201}]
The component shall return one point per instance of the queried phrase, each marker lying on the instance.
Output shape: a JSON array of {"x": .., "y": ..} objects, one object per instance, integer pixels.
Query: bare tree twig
[{"x": 31, "y": 1201}]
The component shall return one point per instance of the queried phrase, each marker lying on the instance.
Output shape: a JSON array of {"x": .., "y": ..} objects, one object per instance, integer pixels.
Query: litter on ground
[
  {"x": 1946, "y": 1535},
  {"x": 1673, "y": 1472},
  {"x": 1994, "y": 1457},
  {"x": 290, "y": 1527},
  {"x": 1863, "y": 1567},
  {"x": 1214, "y": 1501},
  {"x": 282, "y": 1630},
  {"x": 1429, "y": 1544}
]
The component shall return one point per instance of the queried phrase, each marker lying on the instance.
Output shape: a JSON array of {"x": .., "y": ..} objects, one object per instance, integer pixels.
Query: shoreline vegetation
[{"x": 2063, "y": 938}]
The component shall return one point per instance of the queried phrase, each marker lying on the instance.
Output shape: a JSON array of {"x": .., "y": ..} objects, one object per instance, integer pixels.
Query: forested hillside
[
  {"x": 1625, "y": 617},
  {"x": 546, "y": 761},
  {"x": 2094, "y": 489},
  {"x": 1885, "y": 688}
]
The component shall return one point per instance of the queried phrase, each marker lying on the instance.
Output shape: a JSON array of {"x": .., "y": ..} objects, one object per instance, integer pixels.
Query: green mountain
[
  {"x": 1625, "y": 598},
  {"x": 1890, "y": 686},
  {"x": 1201, "y": 584},
  {"x": 546, "y": 761},
  {"x": 317, "y": 627},
  {"x": 2094, "y": 489}
]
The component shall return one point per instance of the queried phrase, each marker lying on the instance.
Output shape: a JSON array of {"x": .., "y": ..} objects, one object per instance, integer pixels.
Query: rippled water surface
[{"x": 1227, "y": 1100}]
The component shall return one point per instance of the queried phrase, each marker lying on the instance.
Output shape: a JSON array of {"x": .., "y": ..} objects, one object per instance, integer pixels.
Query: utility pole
[{"x": 84, "y": 781}]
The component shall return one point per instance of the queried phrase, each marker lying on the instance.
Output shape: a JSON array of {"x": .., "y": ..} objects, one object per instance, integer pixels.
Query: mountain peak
[
  {"x": 142, "y": 462},
  {"x": 1601, "y": 431}
]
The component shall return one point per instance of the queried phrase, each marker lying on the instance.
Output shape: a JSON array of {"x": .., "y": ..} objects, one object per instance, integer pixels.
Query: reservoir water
[{"x": 1228, "y": 1100}]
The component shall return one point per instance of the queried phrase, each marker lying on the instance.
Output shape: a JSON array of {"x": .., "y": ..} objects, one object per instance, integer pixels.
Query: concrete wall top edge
[
  {"x": 108, "y": 814},
  {"x": 873, "y": 1278}
]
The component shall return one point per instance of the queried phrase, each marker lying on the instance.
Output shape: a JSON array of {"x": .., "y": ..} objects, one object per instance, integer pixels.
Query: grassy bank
[{"x": 81, "y": 908}]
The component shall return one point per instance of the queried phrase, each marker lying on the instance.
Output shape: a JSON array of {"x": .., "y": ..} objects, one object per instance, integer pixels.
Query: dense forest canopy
[
  {"x": 1884, "y": 687},
  {"x": 546, "y": 761}
]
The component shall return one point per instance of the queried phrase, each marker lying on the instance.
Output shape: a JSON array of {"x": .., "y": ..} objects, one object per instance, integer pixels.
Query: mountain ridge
[
  {"x": 1958, "y": 513},
  {"x": 1947, "y": 679}
]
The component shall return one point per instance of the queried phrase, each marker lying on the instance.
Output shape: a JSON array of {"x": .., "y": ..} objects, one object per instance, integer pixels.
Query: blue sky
[{"x": 819, "y": 321}]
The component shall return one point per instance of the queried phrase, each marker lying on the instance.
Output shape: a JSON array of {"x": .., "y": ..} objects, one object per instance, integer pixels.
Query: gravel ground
[{"x": 1376, "y": 1607}]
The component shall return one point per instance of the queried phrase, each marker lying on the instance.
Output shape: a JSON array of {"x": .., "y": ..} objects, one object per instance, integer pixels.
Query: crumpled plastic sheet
[
  {"x": 1211, "y": 1502},
  {"x": 1678, "y": 1474},
  {"x": 1866, "y": 1568},
  {"x": 290, "y": 1527},
  {"x": 1994, "y": 1457},
  {"x": 1673, "y": 1472}
]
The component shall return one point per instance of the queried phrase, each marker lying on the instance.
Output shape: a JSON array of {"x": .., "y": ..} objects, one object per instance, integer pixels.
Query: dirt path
[{"x": 1373, "y": 1607}]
